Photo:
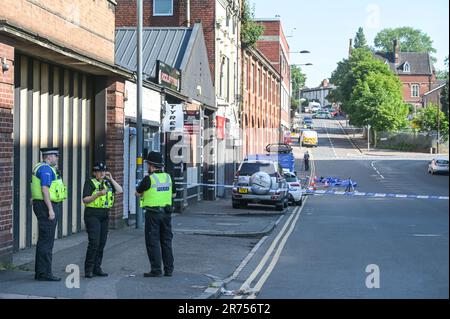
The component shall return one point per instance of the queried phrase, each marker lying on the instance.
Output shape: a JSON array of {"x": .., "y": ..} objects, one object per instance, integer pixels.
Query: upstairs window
[
  {"x": 406, "y": 67},
  {"x": 415, "y": 90},
  {"x": 162, "y": 7}
]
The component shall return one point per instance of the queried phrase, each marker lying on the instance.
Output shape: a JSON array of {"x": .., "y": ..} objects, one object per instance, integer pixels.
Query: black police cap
[
  {"x": 99, "y": 166},
  {"x": 155, "y": 159},
  {"x": 50, "y": 151}
]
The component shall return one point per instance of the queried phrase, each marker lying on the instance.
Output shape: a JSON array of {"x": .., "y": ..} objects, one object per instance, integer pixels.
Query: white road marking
[
  {"x": 264, "y": 260},
  {"x": 426, "y": 235},
  {"x": 246, "y": 260},
  {"x": 276, "y": 257},
  {"x": 329, "y": 138},
  {"x": 376, "y": 169}
]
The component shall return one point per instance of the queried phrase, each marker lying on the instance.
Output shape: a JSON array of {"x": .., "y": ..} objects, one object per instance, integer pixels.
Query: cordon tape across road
[{"x": 331, "y": 192}]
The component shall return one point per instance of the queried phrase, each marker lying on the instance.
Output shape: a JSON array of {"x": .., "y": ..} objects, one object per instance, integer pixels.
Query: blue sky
[{"x": 325, "y": 26}]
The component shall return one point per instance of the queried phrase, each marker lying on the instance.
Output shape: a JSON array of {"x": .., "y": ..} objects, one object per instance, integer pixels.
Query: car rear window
[
  {"x": 290, "y": 179},
  {"x": 248, "y": 169},
  {"x": 442, "y": 162}
]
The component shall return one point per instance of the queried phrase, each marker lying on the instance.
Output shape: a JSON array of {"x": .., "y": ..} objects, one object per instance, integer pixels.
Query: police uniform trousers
[
  {"x": 158, "y": 239},
  {"x": 46, "y": 237},
  {"x": 96, "y": 221}
]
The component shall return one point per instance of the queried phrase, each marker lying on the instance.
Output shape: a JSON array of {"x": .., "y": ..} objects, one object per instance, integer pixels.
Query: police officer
[
  {"x": 47, "y": 193},
  {"x": 157, "y": 192},
  {"x": 98, "y": 197},
  {"x": 306, "y": 159}
]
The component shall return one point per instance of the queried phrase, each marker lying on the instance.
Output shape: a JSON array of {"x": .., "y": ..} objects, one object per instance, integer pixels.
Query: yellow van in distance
[{"x": 310, "y": 138}]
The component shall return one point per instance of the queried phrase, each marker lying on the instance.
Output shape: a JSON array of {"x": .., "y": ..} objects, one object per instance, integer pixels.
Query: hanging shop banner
[
  {"x": 168, "y": 76},
  {"x": 174, "y": 118},
  {"x": 220, "y": 125},
  {"x": 192, "y": 121}
]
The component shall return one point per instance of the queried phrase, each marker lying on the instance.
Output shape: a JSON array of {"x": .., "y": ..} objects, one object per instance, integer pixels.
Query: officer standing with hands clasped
[
  {"x": 98, "y": 197},
  {"x": 157, "y": 192},
  {"x": 47, "y": 192}
]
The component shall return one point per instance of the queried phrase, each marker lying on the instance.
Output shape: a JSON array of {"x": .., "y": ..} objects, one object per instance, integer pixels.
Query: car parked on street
[
  {"x": 438, "y": 165},
  {"x": 260, "y": 182},
  {"x": 308, "y": 123},
  {"x": 295, "y": 188},
  {"x": 322, "y": 115}
]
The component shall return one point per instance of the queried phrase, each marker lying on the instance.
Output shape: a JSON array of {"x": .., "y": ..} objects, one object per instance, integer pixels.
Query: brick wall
[
  {"x": 201, "y": 10},
  {"x": 114, "y": 143},
  {"x": 260, "y": 116},
  {"x": 89, "y": 23},
  {"x": 408, "y": 80},
  {"x": 6, "y": 152}
]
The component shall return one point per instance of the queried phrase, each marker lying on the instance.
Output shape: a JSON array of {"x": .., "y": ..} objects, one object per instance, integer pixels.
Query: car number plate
[{"x": 243, "y": 190}]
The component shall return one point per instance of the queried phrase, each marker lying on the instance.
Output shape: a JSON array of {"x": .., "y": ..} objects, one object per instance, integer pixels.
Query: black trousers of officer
[
  {"x": 46, "y": 237},
  {"x": 96, "y": 221},
  {"x": 158, "y": 239},
  {"x": 306, "y": 164}
]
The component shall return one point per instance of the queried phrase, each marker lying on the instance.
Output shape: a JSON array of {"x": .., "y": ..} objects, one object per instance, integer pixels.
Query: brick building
[
  {"x": 274, "y": 46},
  {"x": 56, "y": 90},
  {"x": 414, "y": 69},
  {"x": 220, "y": 21},
  {"x": 260, "y": 115}
]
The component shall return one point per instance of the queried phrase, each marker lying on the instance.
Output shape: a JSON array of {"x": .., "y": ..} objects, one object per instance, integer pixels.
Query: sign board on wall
[
  {"x": 192, "y": 121},
  {"x": 168, "y": 76},
  {"x": 174, "y": 118},
  {"x": 151, "y": 103},
  {"x": 220, "y": 125}
]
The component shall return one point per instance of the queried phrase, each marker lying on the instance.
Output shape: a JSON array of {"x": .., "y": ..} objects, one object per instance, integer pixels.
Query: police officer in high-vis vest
[
  {"x": 157, "y": 191},
  {"x": 47, "y": 192},
  {"x": 98, "y": 197}
]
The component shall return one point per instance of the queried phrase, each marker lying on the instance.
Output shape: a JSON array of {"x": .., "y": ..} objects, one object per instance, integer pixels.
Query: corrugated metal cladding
[
  {"x": 52, "y": 107},
  {"x": 164, "y": 44}
]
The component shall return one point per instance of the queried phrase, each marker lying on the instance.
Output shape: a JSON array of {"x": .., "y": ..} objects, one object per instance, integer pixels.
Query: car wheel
[
  {"x": 286, "y": 204},
  {"x": 432, "y": 172},
  {"x": 280, "y": 207},
  {"x": 299, "y": 202}
]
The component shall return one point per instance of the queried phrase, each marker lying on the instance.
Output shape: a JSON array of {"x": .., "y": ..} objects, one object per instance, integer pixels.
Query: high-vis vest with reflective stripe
[
  {"x": 57, "y": 190},
  {"x": 160, "y": 192},
  {"x": 105, "y": 201}
]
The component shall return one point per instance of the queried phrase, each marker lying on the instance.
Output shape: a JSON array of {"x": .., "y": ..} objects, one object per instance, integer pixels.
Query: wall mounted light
[{"x": 5, "y": 65}]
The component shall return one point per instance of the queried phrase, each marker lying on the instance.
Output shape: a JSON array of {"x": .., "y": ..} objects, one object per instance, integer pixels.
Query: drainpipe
[{"x": 188, "y": 13}]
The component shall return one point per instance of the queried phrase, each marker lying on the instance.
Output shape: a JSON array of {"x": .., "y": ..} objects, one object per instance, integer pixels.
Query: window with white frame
[
  {"x": 162, "y": 7},
  {"x": 415, "y": 90},
  {"x": 406, "y": 67}
]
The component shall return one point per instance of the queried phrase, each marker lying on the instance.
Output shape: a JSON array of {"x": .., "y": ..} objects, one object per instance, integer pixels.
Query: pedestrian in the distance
[
  {"x": 306, "y": 160},
  {"x": 349, "y": 186}
]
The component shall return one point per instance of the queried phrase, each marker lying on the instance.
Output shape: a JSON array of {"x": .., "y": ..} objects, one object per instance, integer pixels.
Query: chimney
[
  {"x": 396, "y": 52},
  {"x": 350, "y": 47}
]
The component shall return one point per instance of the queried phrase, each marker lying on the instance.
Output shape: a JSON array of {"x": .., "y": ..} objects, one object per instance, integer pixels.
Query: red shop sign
[{"x": 220, "y": 125}]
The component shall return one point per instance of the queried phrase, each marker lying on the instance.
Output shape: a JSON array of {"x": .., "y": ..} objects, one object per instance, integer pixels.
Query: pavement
[
  {"x": 203, "y": 235},
  {"x": 360, "y": 143}
]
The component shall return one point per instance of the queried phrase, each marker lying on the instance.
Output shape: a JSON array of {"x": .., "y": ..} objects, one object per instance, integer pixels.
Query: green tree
[
  {"x": 427, "y": 121},
  {"x": 360, "y": 40},
  {"x": 377, "y": 100},
  {"x": 349, "y": 71},
  {"x": 298, "y": 79},
  {"x": 410, "y": 40},
  {"x": 250, "y": 30}
]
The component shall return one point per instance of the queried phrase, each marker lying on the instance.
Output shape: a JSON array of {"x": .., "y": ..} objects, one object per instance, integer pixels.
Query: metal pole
[
  {"x": 140, "y": 144},
  {"x": 438, "y": 128},
  {"x": 281, "y": 107},
  {"x": 368, "y": 137}
]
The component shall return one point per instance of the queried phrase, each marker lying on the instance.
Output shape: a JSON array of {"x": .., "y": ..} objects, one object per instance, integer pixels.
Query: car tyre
[
  {"x": 280, "y": 207},
  {"x": 299, "y": 202}
]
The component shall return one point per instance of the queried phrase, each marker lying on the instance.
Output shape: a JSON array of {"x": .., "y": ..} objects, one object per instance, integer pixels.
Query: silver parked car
[
  {"x": 438, "y": 165},
  {"x": 260, "y": 182}
]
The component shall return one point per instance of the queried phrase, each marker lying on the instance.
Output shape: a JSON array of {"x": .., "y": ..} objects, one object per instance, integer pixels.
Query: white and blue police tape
[{"x": 331, "y": 192}]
